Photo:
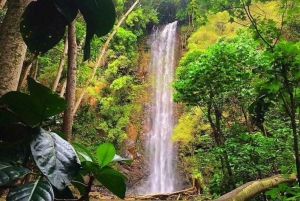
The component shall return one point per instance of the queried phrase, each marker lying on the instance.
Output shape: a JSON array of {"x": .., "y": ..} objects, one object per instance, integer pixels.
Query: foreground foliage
[
  {"x": 39, "y": 164},
  {"x": 41, "y": 32}
]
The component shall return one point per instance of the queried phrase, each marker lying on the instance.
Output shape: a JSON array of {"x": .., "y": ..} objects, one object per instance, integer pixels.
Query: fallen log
[
  {"x": 252, "y": 188},
  {"x": 164, "y": 196}
]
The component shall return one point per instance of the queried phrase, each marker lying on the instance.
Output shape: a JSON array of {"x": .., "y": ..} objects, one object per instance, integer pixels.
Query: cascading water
[{"x": 161, "y": 154}]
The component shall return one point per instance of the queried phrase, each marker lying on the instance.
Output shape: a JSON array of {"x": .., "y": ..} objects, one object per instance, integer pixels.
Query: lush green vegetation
[
  {"x": 241, "y": 100},
  {"x": 237, "y": 80}
]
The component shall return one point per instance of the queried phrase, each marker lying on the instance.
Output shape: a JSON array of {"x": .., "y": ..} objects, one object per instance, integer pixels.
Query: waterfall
[{"x": 161, "y": 154}]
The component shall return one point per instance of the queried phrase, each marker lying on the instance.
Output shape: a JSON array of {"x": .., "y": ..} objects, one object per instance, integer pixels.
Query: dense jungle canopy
[{"x": 74, "y": 85}]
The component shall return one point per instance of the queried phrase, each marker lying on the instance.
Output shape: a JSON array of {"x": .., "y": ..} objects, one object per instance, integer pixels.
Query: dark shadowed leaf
[
  {"x": 55, "y": 157},
  {"x": 18, "y": 153},
  {"x": 105, "y": 153},
  {"x": 42, "y": 26},
  {"x": 9, "y": 173},
  {"x": 48, "y": 102},
  {"x": 112, "y": 180},
  {"x": 89, "y": 166},
  {"x": 13, "y": 133},
  {"x": 78, "y": 183},
  {"x": 99, "y": 16},
  {"x": 67, "y": 8},
  {"x": 64, "y": 194},
  {"x": 35, "y": 190},
  {"x": 7, "y": 117},
  {"x": 31, "y": 109},
  {"x": 22, "y": 105}
]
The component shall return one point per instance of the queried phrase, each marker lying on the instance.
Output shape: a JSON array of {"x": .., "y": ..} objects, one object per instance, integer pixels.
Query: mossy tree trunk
[
  {"x": 252, "y": 188},
  {"x": 12, "y": 47}
]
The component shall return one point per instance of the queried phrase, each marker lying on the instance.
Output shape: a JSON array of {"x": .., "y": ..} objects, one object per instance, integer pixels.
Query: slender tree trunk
[
  {"x": 63, "y": 89},
  {"x": 33, "y": 71},
  {"x": 220, "y": 137},
  {"x": 247, "y": 119},
  {"x": 12, "y": 47},
  {"x": 25, "y": 71},
  {"x": 291, "y": 111},
  {"x": 61, "y": 65},
  {"x": 71, "y": 82},
  {"x": 99, "y": 60}
]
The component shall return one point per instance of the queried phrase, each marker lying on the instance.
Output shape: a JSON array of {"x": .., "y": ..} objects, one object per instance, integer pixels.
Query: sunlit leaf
[{"x": 105, "y": 153}]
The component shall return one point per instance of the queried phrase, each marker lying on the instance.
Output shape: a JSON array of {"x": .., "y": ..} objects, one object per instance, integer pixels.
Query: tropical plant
[{"x": 41, "y": 158}]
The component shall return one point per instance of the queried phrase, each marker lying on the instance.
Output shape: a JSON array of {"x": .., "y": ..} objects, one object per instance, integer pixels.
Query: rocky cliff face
[{"x": 133, "y": 146}]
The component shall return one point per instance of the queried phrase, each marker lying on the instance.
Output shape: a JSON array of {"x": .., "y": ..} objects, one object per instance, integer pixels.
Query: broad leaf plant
[{"x": 38, "y": 164}]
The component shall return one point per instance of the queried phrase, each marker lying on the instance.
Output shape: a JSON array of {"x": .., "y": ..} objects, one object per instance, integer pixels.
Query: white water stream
[{"x": 161, "y": 154}]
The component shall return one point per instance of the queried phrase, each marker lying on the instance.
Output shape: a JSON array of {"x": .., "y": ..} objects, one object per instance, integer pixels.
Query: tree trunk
[
  {"x": 101, "y": 55},
  {"x": 252, "y": 188},
  {"x": 71, "y": 82},
  {"x": 221, "y": 142},
  {"x": 25, "y": 71},
  {"x": 33, "y": 71},
  {"x": 2, "y": 3},
  {"x": 61, "y": 65},
  {"x": 12, "y": 47}
]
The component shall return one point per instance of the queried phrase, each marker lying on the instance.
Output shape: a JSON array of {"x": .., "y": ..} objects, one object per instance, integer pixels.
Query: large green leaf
[
  {"x": 48, "y": 102},
  {"x": 35, "y": 190},
  {"x": 9, "y": 173},
  {"x": 42, "y": 26},
  {"x": 55, "y": 157},
  {"x": 112, "y": 180},
  {"x": 23, "y": 106},
  {"x": 99, "y": 16},
  {"x": 105, "y": 153},
  {"x": 32, "y": 109}
]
